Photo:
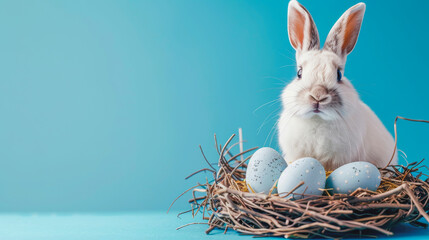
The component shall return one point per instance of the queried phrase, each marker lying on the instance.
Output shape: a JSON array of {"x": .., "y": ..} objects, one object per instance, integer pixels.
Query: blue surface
[
  {"x": 139, "y": 225},
  {"x": 104, "y": 103}
]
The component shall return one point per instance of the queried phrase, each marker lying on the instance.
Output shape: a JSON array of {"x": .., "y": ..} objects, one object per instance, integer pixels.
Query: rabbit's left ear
[
  {"x": 344, "y": 34},
  {"x": 302, "y": 30}
]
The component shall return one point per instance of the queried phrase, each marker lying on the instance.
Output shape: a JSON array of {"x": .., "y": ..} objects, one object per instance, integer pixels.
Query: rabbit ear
[
  {"x": 302, "y": 31},
  {"x": 344, "y": 34}
]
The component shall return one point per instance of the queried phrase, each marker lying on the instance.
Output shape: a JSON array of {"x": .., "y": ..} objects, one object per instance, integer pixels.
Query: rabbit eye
[
  {"x": 339, "y": 75},
  {"x": 299, "y": 73}
]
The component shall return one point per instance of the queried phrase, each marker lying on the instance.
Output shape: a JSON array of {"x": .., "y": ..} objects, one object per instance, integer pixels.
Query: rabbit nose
[
  {"x": 320, "y": 95},
  {"x": 318, "y": 99}
]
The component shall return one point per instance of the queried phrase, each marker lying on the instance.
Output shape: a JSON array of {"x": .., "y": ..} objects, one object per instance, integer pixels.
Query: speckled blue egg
[
  {"x": 263, "y": 170},
  {"x": 352, "y": 176},
  {"x": 308, "y": 170}
]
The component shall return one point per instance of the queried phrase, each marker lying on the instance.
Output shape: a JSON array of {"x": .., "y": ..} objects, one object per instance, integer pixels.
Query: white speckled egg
[
  {"x": 308, "y": 170},
  {"x": 263, "y": 170},
  {"x": 352, "y": 176}
]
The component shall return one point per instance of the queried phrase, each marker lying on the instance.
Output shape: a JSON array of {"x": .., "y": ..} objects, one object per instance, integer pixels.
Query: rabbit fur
[{"x": 323, "y": 116}]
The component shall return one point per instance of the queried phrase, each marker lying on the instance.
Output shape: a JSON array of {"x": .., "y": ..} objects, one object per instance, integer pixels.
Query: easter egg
[
  {"x": 308, "y": 170},
  {"x": 263, "y": 170},
  {"x": 352, "y": 176}
]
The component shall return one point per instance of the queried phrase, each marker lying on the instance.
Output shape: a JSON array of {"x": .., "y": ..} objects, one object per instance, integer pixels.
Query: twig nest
[
  {"x": 307, "y": 173},
  {"x": 402, "y": 197},
  {"x": 347, "y": 178}
]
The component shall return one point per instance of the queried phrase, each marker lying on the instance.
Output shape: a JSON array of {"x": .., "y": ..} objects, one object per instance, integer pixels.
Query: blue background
[{"x": 103, "y": 103}]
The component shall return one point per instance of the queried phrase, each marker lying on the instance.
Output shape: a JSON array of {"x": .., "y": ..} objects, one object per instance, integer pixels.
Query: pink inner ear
[
  {"x": 297, "y": 23},
  {"x": 351, "y": 32}
]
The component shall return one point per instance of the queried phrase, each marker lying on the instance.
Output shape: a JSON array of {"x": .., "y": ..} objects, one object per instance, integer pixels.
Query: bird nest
[{"x": 226, "y": 203}]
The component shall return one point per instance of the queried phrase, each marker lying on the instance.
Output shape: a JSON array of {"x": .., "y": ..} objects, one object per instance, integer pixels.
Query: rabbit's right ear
[{"x": 302, "y": 30}]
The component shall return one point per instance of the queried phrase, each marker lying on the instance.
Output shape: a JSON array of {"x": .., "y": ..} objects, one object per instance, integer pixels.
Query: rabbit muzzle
[{"x": 318, "y": 97}]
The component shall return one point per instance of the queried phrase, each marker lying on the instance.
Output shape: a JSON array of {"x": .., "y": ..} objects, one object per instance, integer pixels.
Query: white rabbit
[{"x": 323, "y": 116}]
